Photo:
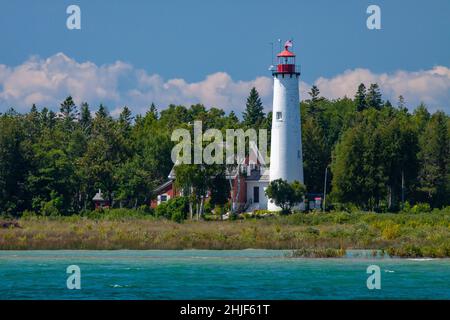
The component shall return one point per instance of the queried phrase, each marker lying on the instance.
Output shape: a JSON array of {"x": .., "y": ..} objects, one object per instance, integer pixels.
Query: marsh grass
[
  {"x": 318, "y": 253},
  {"x": 405, "y": 235}
]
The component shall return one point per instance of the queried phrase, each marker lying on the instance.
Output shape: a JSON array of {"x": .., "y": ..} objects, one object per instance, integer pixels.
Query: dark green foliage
[
  {"x": 175, "y": 209},
  {"x": 381, "y": 157},
  {"x": 254, "y": 111},
  {"x": 373, "y": 97},
  {"x": 315, "y": 106},
  {"x": 54, "y": 165},
  {"x": 85, "y": 118},
  {"x": 371, "y": 158},
  {"x": 316, "y": 154},
  {"x": 285, "y": 195},
  {"x": 377, "y": 160},
  {"x": 360, "y": 98},
  {"x": 13, "y": 165},
  {"x": 434, "y": 157},
  {"x": 68, "y": 110}
]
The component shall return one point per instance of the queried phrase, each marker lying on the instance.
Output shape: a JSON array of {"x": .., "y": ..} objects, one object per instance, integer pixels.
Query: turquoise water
[{"x": 198, "y": 274}]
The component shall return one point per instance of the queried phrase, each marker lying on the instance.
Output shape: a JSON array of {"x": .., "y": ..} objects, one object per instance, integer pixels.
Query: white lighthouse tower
[{"x": 286, "y": 160}]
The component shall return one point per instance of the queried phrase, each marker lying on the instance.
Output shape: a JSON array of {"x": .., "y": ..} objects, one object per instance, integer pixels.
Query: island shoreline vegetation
[
  {"x": 411, "y": 233},
  {"x": 384, "y": 162}
]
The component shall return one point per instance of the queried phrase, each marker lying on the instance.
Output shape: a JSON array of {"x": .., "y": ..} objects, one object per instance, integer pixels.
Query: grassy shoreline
[{"x": 313, "y": 234}]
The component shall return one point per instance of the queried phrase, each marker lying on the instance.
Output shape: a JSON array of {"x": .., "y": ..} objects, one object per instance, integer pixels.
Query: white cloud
[
  {"x": 217, "y": 89},
  {"x": 429, "y": 86},
  {"x": 47, "y": 82}
]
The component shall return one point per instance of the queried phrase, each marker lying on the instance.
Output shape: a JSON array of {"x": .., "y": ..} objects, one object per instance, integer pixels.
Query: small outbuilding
[{"x": 99, "y": 201}]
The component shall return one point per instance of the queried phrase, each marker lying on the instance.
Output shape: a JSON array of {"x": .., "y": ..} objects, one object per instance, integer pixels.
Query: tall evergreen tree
[
  {"x": 434, "y": 156},
  {"x": 34, "y": 109},
  {"x": 125, "y": 122},
  {"x": 13, "y": 166},
  {"x": 401, "y": 103},
  {"x": 360, "y": 98},
  {"x": 85, "y": 118},
  {"x": 373, "y": 97},
  {"x": 314, "y": 93},
  {"x": 421, "y": 116},
  {"x": 254, "y": 111},
  {"x": 314, "y": 103},
  {"x": 315, "y": 155},
  {"x": 102, "y": 112},
  {"x": 153, "y": 110},
  {"x": 125, "y": 117},
  {"x": 68, "y": 109}
]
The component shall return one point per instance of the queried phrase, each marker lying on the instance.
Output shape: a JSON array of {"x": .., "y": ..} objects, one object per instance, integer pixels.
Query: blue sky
[{"x": 227, "y": 41}]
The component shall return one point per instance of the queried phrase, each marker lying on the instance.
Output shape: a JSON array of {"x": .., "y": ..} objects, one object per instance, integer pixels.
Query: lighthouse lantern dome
[{"x": 286, "y": 60}]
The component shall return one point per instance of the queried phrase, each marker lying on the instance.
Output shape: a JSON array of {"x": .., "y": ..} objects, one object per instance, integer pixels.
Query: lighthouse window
[{"x": 279, "y": 116}]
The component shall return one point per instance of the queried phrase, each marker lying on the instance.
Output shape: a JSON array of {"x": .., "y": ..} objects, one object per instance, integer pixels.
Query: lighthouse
[{"x": 286, "y": 160}]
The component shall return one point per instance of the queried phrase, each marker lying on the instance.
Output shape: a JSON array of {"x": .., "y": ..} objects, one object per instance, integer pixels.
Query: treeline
[
  {"x": 379, "y": 155},
  {"x": 54, "y": 163}
]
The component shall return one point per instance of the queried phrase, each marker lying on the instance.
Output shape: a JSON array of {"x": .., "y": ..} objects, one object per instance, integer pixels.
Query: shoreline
[
  {"x": 317, "y": 234},
  {"x": 351, "y": 254}
]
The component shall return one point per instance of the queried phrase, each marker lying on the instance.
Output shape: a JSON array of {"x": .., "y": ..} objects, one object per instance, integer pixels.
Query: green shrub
[
  {"x": 175, "y": 209},
  {"x": 391, "y": 231},
  {"x": 50, "y": 209},
  {"x": 178, "y": 216},
  {"x": 417, "y": 208},
  {"x": 207, "y": 207},
  {"x": 342, "y": 217},
  {"x": 29, "y": 215},
  {"x": 421, "y": 208}
]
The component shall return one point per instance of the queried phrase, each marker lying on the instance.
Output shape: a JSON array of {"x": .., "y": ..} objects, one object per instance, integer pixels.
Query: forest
[{"x": 378, "y": 155}]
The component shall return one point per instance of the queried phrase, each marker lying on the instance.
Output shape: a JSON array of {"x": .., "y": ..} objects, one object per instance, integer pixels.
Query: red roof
[{"x": 286, "y": 53}]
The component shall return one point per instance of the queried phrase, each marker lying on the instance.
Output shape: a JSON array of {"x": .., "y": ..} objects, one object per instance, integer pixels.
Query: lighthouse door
[{"x": 256, "y": 194}]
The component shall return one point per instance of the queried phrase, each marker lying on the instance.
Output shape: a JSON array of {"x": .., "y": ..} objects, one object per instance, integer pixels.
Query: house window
[
  {"x": 256, "y": 194},
  {"x": 163, "y": 198},
  {"x": 279, "y": 116}
]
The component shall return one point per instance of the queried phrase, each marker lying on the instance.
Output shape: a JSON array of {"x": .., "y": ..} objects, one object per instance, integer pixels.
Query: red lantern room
[{"x": 286, "y": 60}]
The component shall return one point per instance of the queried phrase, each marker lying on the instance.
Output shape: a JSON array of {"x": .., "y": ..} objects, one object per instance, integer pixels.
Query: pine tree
[
  {"x": 34, "y": 110},
  {"x": 125, "y": 120},
  {"x": 125, "y": 116},
  {"x": 421, "y": 117},
  {"x": 254, "y": 111},
  {"x": 373, "y": 97},
  {"x": 34, "y": 123},
  {"x": 232, "y": 116},
  {"x": 69, "y": 109},
  {"x": 434, "y": 157},
  {"x": 360, "y": 98},
  {"x": 314, "y": 103},
  {"x": 153, "y": 110},
  {"x": 102, "y": 112},
  {"x": 316, "y": 157},
  {"x": 388, "y": 104},
  {"x": 401, "y": 103},
  {"x": 314, "y": 93},
  {"x": 44, "y": 116},
  {"x": 85, "y": 118},
  {"x": 51, "y": 119}
]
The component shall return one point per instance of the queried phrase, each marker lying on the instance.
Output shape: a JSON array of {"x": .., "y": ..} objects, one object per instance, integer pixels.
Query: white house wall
[{"x": 262, "y": 196}]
